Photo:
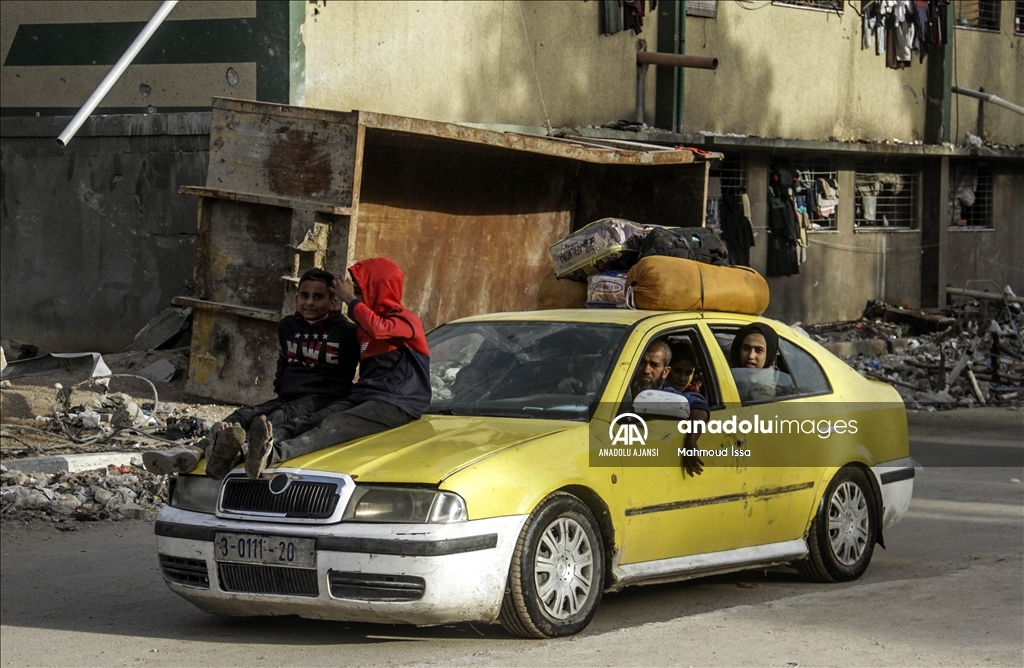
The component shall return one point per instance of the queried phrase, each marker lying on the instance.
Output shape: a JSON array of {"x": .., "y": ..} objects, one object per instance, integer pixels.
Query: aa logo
[{"x": 628, "y": 433}]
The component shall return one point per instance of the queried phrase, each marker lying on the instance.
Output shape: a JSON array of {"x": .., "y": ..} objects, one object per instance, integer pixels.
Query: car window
[
  {"x": 807, "y": 374},
  {"x": 521, "y": 369},
  {"x": 757, "y": 386},
  {"x": 796, "y": 373},
  {"x": 687, "y": 343}
]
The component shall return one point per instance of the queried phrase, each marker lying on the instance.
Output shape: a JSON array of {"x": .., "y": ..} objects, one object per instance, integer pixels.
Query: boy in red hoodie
[{"x": 394, "y": 371}]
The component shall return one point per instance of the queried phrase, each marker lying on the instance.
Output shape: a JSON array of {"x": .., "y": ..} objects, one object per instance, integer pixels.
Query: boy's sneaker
[
  {"x": 182, "y": 459},
  {"x": 226, "y": 452},
  {"x": 261, "y": 443}
]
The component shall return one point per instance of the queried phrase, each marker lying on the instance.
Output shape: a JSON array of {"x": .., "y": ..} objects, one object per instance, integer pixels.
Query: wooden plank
[
  {"x": 229, "y": 309},
  {"x": 564, "y": 148},
  {"x": 268, "y": 200},
  {"x": 282, "y": 151}
]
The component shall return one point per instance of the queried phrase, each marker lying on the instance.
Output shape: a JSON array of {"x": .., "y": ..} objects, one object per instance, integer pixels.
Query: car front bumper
[{"x": 461, "y": 569}]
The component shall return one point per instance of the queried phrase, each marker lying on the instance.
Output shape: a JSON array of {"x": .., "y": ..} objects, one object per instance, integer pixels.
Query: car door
[
  {"x": 789, "y": 444},
  {"x": 669, "y": 514}
]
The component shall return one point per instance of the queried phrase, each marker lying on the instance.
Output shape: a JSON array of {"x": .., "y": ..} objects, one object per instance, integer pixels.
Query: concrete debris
[
  {"x": 160, "y": 371},
  {"x": 112, "y": 493},
  {"x": 164, "y": 331},
  {"x": 970, "y": 354}
]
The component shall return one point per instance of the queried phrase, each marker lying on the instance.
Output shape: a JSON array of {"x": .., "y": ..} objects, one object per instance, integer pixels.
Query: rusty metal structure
[{"x": 467, "y": 212}]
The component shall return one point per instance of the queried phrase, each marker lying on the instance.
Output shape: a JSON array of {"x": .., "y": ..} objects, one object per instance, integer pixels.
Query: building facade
[{"x": 798, "y": 92}]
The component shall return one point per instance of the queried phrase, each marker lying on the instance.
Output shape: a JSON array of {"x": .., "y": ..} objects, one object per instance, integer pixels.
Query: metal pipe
[
  {"x": 676, "y": 60},
  {"x": 115, "y": 73},
  {"x": 989, "y": 98},
  {"x": 978, "y": 294}
]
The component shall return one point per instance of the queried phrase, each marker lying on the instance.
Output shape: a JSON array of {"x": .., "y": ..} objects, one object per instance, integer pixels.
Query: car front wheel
[
  {"x": 843, "y": 534},
  {"x": 557, "y": 572}
]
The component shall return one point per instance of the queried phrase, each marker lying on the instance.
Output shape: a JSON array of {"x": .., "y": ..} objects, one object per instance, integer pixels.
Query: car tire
[
  {"x": 556, "y": 577},
  {"x": 842, "y": 536}
]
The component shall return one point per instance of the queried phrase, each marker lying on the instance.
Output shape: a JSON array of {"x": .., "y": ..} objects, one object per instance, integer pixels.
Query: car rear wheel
[
  {"x": 557, "y": 572},
  {"x": 842, "y": 536}
]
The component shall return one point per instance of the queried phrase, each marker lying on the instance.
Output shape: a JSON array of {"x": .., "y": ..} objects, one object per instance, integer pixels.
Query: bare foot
[
  {"x": 226, "y": 451},
  {"x": 261, "y": 444}
]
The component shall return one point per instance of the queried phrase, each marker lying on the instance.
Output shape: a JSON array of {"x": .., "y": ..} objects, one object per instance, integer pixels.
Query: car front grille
[
  {"x": 190, "y": 572},
  {"x": 304, "y": 499},
  {"x": 375, "y": 586},
  {"x": 257, "y": 579}
]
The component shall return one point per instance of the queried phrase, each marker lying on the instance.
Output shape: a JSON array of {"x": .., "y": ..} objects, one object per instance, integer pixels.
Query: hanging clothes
[
  {"x": 634, "y": 15},
  {"x": 783, "y": 232},
  {"x": 611, "y": 17},
  {"x": 737, "y": 231}
]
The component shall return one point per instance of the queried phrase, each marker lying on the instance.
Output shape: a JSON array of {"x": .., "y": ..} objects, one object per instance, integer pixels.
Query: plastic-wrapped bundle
[
  {"x": 558, "y": 293},
  {"x": 607, "y": 289},
  {"x": 603, "y": 245}
]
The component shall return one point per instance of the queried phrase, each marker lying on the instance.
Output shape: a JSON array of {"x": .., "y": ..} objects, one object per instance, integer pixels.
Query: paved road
[{"x": 949, "y": 590}]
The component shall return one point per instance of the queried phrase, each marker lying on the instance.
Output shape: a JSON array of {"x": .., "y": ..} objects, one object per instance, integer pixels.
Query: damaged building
[{"x": 908, "y": 184}]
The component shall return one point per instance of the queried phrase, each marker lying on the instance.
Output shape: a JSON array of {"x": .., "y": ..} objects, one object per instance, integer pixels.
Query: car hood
[{"x": 429, "y": 449}]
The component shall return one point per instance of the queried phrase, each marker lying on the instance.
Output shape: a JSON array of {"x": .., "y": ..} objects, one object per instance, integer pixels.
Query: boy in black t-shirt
[{"x": 318, "y": 354}]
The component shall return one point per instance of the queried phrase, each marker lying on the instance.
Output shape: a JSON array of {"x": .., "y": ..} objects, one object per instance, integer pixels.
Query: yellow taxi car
[{"x": 519, "y": 497}]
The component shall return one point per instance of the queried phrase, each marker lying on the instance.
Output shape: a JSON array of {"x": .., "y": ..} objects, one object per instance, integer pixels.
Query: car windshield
[{"x": 547, "y": 370}]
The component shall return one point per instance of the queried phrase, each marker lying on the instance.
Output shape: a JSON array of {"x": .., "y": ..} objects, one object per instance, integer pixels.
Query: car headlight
[
  {"x": 195, "y": 492},
  {"x": 412, "y": 506}
]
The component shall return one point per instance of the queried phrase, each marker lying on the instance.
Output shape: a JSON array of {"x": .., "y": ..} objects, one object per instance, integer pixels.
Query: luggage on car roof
[
  {"x": 661, "y": 283},
  {"x": 692, "y": 243}
]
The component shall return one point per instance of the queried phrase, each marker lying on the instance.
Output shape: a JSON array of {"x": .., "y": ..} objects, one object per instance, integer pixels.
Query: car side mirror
[{"x": 661, "y": 404}]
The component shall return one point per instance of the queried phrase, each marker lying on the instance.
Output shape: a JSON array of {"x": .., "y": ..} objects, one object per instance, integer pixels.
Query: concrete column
[
  {"x": 757, "y": 192},
  {"x": 934, "y": 231}
]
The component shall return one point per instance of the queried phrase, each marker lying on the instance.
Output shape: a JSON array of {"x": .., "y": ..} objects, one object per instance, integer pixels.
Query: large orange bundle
[
  {"x": 662, "y": 283},
  {"x": 560, "y": 293}
]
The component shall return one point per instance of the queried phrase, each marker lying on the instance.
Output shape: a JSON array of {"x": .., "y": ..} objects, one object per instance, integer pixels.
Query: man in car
[{"x": 654, "y": 368}]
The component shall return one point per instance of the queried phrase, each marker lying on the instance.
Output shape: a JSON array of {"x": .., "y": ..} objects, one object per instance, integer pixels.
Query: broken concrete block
[
  {"x": 163, "y": 330},
  {"x": 132, "y": 511},
  {"x": 160, "y": 371}
]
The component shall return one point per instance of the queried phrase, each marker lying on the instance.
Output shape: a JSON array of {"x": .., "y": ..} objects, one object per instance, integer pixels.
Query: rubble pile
[
  {"x": 970, "y": 354},
  {"x": 114, "y": 493},
  {"x": 107, "y": 421}
]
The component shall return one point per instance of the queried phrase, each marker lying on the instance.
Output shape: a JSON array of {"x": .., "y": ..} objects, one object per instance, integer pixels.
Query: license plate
[{"x": 268, "y": 550}]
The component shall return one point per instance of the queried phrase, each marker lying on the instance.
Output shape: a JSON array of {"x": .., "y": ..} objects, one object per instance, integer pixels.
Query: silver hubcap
[
  {"x": 848, "y": 522},
  {"x": 564, "y": 568}
]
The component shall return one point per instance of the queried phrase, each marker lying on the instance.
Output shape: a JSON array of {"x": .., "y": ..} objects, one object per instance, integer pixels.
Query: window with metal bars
[
  {"x": 727, "y": 177},
  {"x": 1018, "y": 17},
  {"x": 980, "y": 14},
  {"x": 706, "y": 8},
  {"x": 814, "y": 186},
  {"x": 885, "y": 195},
  {"x": 970, "y": 196},
  {"x": 824, "y": 5}
]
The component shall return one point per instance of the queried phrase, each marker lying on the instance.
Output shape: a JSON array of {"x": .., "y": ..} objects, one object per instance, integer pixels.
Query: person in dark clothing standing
[
  {"x": 394, "y": 371},
  {"x": 317, "y": 357}
]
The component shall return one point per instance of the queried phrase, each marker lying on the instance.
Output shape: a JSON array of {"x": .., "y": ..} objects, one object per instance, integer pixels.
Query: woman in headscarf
[
  {"x": 752, "y": 358},
  {"x": 754, "y": 347}
]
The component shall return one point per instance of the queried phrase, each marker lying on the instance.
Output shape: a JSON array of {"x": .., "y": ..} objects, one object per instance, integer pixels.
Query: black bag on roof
[{"x": 691, "y": 243}]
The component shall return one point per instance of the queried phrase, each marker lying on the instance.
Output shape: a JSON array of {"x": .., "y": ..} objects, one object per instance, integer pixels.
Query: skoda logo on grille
[{"x": 279, "y": 483}]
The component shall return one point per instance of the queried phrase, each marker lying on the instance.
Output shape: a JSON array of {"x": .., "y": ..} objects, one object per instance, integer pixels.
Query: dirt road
[{"x": 949, "y": 590}]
